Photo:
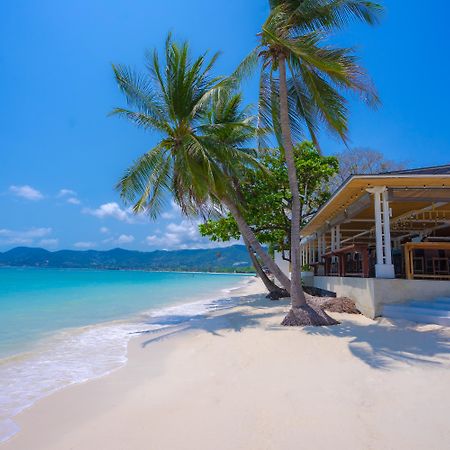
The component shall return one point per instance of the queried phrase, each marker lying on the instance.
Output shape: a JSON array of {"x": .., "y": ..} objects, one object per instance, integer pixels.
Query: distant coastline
[
  {"x": 250, "y": 271},
  {"x": 232, "y": 259}
]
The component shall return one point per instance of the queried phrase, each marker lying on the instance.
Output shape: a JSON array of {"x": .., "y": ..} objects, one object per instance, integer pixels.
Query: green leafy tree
[
  {"x": 267, "y": 199},
  {"x": 302, "y": 86}
]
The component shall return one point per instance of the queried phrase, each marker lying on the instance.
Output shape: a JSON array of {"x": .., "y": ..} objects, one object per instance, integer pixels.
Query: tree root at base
[{"x": 308, "y": 315}]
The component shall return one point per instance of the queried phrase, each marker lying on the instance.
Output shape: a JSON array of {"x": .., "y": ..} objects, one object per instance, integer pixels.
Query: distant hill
[{"x": 227, "y": 259}]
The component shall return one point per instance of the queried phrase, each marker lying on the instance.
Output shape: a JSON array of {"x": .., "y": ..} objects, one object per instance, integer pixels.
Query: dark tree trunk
[
  {"x": 301, "y": 313},
  {"x": 248, "y": 234},
  {"x": 275, "y": 292}
]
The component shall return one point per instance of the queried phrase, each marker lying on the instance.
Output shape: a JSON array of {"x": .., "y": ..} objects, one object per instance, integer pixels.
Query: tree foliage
[
  {"x": 266, "y": 196},
  {"x": 192, "y": 111},
  {"x": 320, "y": 77}
]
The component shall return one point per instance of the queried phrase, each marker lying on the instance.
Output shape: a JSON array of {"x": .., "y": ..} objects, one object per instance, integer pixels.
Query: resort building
[{"x": 383, "y": 239}]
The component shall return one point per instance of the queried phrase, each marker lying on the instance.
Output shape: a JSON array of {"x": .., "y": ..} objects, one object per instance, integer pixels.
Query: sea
[{"x": 64, "y": 326}]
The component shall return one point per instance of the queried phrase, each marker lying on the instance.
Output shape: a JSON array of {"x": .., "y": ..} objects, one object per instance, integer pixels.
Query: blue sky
[{"x": 60, "y": 155}]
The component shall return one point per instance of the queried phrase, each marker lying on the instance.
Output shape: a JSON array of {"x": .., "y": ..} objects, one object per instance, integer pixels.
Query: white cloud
[
  {"x": 84, "y": 245},
  {"x": 70, "y": 196},
  {"x": 173, "y": 213},
  {"x": 23, "y": 237},
  {"x": 27, "y": 192},
  {"x": 73, "y": 201},
  {"x": 182, "y": 235},
  {"x": 67, "y": 193},
  {"x": 104, "y": 230},
  {"x": 111, "y": 209},
  {"x": 48, "y": 242},
  {"x": 125, "y": 239},
  {"x": 121, "y": 240}
]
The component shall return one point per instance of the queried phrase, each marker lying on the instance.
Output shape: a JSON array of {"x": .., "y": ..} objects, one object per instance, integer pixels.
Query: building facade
[{"x": 383, "y": 238}]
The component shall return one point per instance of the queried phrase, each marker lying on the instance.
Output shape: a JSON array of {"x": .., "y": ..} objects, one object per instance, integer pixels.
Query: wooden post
[
  {"x": 341, "y": 262},
  {"x": 365, "y": 262},
  {"x": 408, "y": 268}
]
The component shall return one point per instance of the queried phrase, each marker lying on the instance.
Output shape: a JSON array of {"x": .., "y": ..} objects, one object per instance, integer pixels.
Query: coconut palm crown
[
  {"x": 174, "y": 99},
  {"x": 319, "y": 76}
]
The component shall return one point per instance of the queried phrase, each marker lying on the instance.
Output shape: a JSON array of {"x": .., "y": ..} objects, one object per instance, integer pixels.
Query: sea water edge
[{"x": 77, "y": 354}]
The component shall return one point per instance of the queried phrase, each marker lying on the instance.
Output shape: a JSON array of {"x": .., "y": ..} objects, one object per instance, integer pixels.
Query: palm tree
[
  {"x": 308, "y": 92},
  {"x": 203, "y": 137}
]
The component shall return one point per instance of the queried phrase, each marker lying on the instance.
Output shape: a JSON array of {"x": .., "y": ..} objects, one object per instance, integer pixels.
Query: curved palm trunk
[
  {"x": 275, "y": 292},
  {"x": 248, "y": 234},
  {"x": 297, "y": 294},
  {"x": 301, "y": 313}
]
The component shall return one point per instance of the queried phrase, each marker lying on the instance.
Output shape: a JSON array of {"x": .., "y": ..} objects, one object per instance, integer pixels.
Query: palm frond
[
  {"x": 138, "y": 90},
  {"x": 143, "y": 120},
  {"x": 334, "y": 14},
  {"x": 145, "y": 182}
]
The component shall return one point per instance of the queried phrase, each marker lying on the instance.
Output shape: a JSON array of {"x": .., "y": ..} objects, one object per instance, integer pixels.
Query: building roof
[
  {"x": 352, "y": 191},
  {"x": 434, "y": 170}
]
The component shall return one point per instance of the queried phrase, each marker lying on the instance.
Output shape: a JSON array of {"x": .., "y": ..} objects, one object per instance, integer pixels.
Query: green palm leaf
[{"x": 204, "y": 131}]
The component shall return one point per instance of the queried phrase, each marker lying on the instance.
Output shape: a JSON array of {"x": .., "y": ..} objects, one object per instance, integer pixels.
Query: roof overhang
[{"x": 353, "y": 195}]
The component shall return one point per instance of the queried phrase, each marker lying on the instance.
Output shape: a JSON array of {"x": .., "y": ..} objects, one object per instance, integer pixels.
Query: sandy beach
[{"x": 235, "y": 379}]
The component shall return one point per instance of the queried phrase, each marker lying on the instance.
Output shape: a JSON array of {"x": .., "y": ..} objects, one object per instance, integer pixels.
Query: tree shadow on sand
[
  {"x": 214, "y": 324},
  {"x": 379, "y": 345},
  {"x": 383, "y": 346}
]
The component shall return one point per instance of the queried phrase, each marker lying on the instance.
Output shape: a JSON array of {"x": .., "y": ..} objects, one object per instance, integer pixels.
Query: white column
[
  {"x": 378, "y": 228},
  {"x": 384, "y": 267},
  {"x": 338, "y": 237},
  {"x": 387, "y": 229}
]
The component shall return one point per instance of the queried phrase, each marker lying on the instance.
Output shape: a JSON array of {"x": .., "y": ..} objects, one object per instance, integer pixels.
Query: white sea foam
[{"x": 77, "y": 355}]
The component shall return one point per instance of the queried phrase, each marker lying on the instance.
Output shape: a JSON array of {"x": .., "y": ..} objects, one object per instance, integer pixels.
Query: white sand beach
[{"x": 237, "y": 380}]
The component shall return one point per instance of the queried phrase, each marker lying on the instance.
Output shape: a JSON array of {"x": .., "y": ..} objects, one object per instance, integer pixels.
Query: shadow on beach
[
  {"x": 379, "y": 345},
  {"x": 217, "y": 322}
]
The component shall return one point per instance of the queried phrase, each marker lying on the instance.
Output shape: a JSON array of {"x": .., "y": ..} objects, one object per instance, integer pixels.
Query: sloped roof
[
  {"x": 433, "y": 170},
  {"x": 355, "y": 187}
]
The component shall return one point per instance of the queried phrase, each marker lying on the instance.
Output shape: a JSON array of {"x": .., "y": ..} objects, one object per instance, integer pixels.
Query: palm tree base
[
  {"x": 276, "y": 295},
  {"x": 308, "y": 315}
]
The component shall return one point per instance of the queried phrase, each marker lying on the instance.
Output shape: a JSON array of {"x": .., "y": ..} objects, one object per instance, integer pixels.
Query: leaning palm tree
[
  {"x": 302, "y": 86},
  {"x": 200, "y": 152}
]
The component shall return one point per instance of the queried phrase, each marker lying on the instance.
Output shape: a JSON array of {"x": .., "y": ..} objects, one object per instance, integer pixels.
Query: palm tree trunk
[
  {"x": 297, "y": 294},
  {"x": 248, "y": 234},
  {"x": 275, "y": 292},
  {"x": 301, "y": 313}
]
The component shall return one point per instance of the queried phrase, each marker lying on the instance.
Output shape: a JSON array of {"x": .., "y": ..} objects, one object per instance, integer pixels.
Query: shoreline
[
  {"x": 119, "y": 269},
  {"x": 115, "y": 335},
  {"x": 236, "y": 379}
]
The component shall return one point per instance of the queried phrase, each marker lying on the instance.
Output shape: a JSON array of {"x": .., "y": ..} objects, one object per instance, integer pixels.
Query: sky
[{"x": 61, "y": 155}]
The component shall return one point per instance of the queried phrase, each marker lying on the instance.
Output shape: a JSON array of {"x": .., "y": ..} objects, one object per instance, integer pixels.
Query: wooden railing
[
  {"x": 342, "y": 269},
  {"x": 427, "y": 266}
]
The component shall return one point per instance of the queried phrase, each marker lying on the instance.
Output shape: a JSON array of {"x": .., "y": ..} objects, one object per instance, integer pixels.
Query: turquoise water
[
  {"x": 59, "y": 327},
  {"x": 37, "y": 302}
]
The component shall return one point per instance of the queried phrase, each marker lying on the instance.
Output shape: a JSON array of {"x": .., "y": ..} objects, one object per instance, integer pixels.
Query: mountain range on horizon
[{"x": 225, "y": 259}]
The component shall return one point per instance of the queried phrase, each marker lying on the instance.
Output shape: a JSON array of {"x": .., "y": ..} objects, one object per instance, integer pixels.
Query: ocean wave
[{"x": 78, "y": 355}]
